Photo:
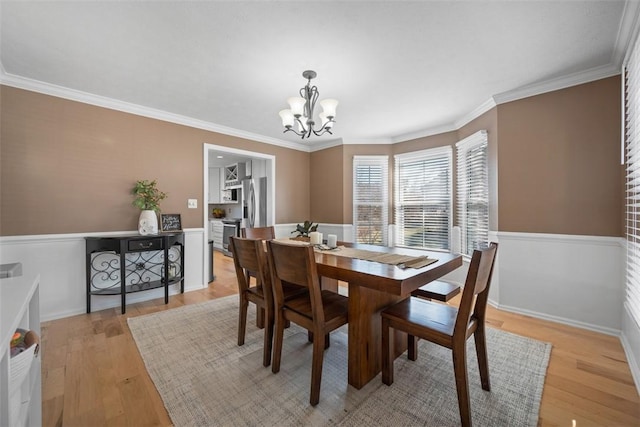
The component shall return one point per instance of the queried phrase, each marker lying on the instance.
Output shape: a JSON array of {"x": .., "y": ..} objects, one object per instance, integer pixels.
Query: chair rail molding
[{"x": 61, "y": 262}]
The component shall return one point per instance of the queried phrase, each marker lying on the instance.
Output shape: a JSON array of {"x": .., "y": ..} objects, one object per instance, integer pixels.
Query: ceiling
[{"x": 400, "y": 69}]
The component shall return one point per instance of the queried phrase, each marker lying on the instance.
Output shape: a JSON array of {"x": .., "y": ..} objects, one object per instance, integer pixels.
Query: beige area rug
[{"x": 205, "y": 379}]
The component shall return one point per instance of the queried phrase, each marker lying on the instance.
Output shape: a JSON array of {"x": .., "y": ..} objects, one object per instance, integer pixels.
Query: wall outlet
[{"x": 192, "y": 203}]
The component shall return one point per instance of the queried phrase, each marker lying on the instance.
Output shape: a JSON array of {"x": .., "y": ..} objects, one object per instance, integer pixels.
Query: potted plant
[
  {"x": 304, "y": 229},
  {"x": 147, "y": 199}
]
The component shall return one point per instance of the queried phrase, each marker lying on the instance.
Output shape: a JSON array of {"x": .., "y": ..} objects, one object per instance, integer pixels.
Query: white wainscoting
[
  {"x": 575, "y": 280},
  {"x": 60, "y": 260}
]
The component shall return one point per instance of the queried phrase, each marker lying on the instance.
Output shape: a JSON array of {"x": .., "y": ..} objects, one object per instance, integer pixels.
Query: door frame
[{"x": 271, "y": 184}]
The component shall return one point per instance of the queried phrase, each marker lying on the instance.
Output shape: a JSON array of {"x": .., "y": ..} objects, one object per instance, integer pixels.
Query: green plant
[
  {"x": 304, "y": 229},
  {"x": 147, "y": 195}
]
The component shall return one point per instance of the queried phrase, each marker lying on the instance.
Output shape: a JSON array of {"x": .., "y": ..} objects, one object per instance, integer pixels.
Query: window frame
[
  {"x": 383, "y": 162},
  {"x": 445, "y": 152},
  {"x": 463, "y": 184}
]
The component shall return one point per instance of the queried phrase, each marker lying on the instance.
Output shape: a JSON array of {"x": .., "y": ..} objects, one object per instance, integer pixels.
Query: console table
[{"x": 124, "y": 264}]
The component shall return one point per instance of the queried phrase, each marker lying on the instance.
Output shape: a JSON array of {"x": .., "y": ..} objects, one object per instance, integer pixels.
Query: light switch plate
[{"x": 192, "y": 203}]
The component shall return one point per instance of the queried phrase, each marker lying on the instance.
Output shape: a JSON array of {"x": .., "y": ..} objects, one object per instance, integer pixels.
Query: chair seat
[
  {"x": 335, "y": 308},
  {"x": 421, "y": 315},
  {"x": 437, "y": 290}
]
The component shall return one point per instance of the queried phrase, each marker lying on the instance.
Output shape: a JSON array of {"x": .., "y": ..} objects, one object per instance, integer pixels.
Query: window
[
  {"x": 632, "y": 158},
  {"x": 423, "y": 198},
  {"x": 371, "y": 199},
  {"x": 473, "y": 192}
]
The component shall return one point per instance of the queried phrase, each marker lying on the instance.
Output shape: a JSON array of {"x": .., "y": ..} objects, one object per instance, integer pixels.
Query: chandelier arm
[
  {"x": 290, "y": 129},
  {"x": 322, "y": 132}
]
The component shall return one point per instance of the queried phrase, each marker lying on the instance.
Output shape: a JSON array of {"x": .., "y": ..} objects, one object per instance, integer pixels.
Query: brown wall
[
  {"x": 68, "y": 167},
  {"x": 326, "y": 190},
  {"x": 559, "y": 157}
]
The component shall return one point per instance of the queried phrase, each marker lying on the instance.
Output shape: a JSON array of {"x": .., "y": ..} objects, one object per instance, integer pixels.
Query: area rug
[{"x": 205, "y": 378}]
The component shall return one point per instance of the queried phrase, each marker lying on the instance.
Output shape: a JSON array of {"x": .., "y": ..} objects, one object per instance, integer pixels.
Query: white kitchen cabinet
[
  {"x": 216, "y": 232},
  {"x": 215, "y": 174},
  {"x": 234, "y": 174},
  {"x": 20, "y": 402}
]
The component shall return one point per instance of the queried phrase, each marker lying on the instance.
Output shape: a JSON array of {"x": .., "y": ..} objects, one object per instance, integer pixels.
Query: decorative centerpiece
[
  {"x": 147, "y": 198},
  {"x": 304, "y": 230}
]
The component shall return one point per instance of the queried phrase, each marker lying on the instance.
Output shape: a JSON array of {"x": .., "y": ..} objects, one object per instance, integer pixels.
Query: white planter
[{"x": 148, "y": 222}]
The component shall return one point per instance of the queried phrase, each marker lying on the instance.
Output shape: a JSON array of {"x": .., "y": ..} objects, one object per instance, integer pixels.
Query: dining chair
[
  {"x": 447, "y": 326},
  {"x": 319, "y": 311},
  {"x": 249, "y": 254},
  {"x": 263, "y": 233}
]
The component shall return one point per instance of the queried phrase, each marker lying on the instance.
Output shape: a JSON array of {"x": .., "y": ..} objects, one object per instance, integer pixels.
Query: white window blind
[
  {"x": 371, "y": 199},
  {"x": 423, "y": 198},
  {"x": 632, "y": 159},
  {"x": 473, "y": 191}
]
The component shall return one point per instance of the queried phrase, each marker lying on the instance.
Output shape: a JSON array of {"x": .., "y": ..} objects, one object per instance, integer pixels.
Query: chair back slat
[
  {"x": 263, "y": 233},
  {"x": 476, "y": 288}
]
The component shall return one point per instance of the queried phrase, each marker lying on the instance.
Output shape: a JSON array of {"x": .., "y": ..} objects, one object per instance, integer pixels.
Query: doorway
[{"x": 217, "y": 158}]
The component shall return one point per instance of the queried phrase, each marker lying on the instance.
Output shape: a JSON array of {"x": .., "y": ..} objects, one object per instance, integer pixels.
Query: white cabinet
[
  {"x": 258, "y": 168},
  {"x": 20, "y": 402},
  {"x": 234, "y": 174},
  {"x": 215, "y": 184},
  {"x": 215, "y": 232}
]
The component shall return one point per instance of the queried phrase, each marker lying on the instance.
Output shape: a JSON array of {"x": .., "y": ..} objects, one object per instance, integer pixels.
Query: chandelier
[{"x": 301, "y": 111}]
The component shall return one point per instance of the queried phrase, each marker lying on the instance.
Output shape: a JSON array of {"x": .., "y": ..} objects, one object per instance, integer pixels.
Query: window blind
[
  {"x": 423, "y": 198},
  {"x": 632, "y": 160},
  {"x": 371, "y": 199},
  {"x": 473, "y": 191}
]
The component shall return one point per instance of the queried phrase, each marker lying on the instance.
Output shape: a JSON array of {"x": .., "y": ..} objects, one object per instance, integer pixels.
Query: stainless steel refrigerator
[{"x": 254, "y": 200}]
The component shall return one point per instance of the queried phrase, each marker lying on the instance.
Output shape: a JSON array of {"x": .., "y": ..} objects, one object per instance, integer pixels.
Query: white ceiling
[{"x": 399, "y": 69}]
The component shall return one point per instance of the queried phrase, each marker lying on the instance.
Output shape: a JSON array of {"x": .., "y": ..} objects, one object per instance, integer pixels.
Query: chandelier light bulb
[
  {"x": 329, "y": 107},
  {"x": 287, "y": 118},
  {"x": 296, "y": 104}
]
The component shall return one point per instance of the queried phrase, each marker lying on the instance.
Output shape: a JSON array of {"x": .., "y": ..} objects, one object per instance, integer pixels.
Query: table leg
[{"x": 365, "y": 334}]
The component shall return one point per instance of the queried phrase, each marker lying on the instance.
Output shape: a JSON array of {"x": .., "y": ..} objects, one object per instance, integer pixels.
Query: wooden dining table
[{"x": 374, "y": 286}]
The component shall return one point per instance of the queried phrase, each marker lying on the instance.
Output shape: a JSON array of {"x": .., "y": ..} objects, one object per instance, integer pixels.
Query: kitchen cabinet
[
  {"x": 234, "y": 174},
  {"x": 216, "y": 233},
  {"x": 215, "y": 184}
]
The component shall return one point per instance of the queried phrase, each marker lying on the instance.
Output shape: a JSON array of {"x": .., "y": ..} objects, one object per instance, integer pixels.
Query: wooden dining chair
[
  {"x": 447, "y": 326},
  {"x": 262, "y": 233},
  {"x": 249, "y": 254},
  {"x": 319, "y": 312}
]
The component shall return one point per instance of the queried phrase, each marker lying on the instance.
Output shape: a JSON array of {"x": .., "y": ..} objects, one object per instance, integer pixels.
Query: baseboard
[
  {"x": 630, "y": 339},
  {"x": 557, "y": 319}
]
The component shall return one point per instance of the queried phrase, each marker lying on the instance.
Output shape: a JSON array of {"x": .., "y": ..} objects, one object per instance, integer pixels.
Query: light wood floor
[{"x": 93, "y": 374}]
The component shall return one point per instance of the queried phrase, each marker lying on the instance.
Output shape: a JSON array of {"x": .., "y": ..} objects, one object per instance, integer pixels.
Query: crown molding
[
  {"x": 127, "y": 107},
  {"x": 558, "y": 83},
  {"x": 436, "y": 130},
  {"x": 477, "y": 112},
  {"x": 325, "y": 144},
  {"x": 360, "y": 141},
  {"x": 627, "y": 32}
]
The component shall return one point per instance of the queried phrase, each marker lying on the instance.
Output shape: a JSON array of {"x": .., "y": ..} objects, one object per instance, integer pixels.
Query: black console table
[{"x": 124, "y": 264}]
